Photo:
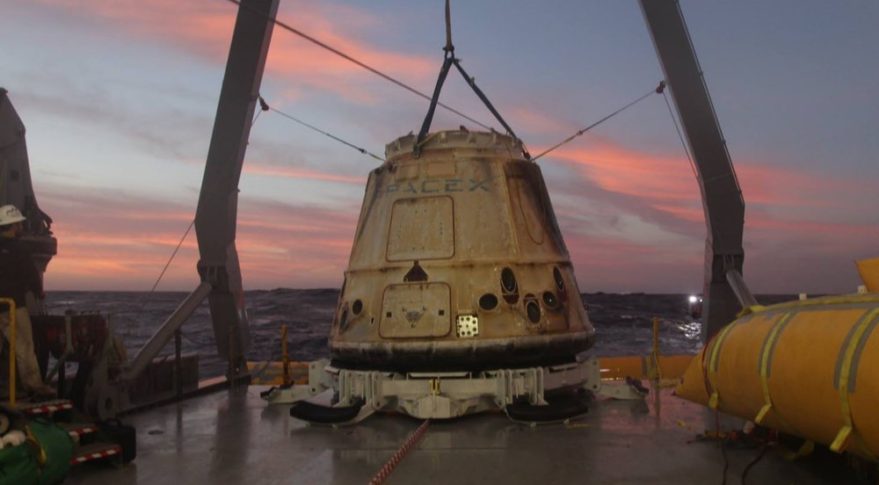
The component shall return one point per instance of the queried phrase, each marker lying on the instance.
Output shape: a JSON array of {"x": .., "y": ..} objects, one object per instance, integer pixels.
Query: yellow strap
[
  {"x": 842, "y": 437},
  {"x": 42, "y": 458},
  {"x": 751, "y": 309},
  {"x": 805, "y": 450},
  {"x": 765, "y": 363},
  {"x": 714, "y": 357},
  {"x": 819, "y": 301}
]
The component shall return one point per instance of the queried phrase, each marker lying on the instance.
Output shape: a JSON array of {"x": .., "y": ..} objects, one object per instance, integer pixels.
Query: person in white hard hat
[{"x": 19, "y": 277}]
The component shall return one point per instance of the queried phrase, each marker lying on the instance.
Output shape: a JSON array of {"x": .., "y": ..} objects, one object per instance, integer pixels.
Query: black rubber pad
[
  {"x": 557, "y": 409},
  {"x": 315, "y": 413}
]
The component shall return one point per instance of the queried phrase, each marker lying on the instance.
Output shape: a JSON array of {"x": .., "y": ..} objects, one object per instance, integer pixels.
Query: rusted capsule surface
[{"x": 458, "y": 263}]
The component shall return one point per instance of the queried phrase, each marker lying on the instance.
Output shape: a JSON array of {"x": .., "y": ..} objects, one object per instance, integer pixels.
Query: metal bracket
[
  {"x": 443, "y": 395},
  {"x": 318, "y": 381},
  {"x": 449, "y": 59}
]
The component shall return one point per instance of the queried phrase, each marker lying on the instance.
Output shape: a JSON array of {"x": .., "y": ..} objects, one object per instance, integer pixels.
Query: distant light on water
[
  {"x": 691, "y": 330},
  {"x": 695, "y": 306}
]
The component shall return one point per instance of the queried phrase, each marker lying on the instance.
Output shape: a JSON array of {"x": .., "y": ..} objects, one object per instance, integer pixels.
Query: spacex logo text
[{"x": 439, "y": 186}]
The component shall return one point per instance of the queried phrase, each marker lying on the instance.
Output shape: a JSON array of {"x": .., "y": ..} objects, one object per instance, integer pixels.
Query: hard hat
[{"x": 9, "y": 214}]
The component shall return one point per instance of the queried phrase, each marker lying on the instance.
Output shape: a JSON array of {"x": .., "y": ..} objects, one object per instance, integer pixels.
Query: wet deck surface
[{"x": 233, "y": 437}]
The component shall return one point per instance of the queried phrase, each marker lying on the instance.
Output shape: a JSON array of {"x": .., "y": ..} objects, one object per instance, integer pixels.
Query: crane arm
[{"x": 722, "y": 198}]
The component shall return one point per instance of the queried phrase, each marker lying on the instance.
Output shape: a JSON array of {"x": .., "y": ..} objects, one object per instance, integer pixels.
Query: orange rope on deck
[{"x": 401, "y": 453}]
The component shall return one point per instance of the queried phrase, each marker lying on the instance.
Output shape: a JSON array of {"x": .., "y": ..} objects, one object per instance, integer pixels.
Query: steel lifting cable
[
  {"x": 412, "y": 90},
  {"x": 145, "y": 299},
  {"x": 657, "y": 90},
  {"x": 265, "y": 107},
  {"x": 401, "y": 453},
  {"x": 450, "y": 60},
  {"x": 347, "y": 57},
  {"x": 674, "y": 121}
]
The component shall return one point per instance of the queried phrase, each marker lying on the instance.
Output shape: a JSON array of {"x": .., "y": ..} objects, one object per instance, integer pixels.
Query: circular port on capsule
[
  {"x": 508, "y": 281},
  {"x": 343, "y": 319},
  {"x": 357, "y": 307},
  {"x": 533, "y": 311},
  {"x": 488, "y": 301},
  {"x": 550, "y": 300},
  {"x": 559, "y": 281}
]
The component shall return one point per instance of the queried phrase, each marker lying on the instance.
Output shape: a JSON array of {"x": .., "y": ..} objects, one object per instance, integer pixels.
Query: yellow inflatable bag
[{"x": 807, "y": 368}]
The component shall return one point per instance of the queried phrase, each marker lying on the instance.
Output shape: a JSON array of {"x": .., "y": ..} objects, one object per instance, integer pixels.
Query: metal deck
[{"x": 233, "y": 437}]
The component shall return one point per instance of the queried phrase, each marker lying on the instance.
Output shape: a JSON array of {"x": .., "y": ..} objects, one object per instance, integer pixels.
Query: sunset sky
[{"x": 118, "y": 97}]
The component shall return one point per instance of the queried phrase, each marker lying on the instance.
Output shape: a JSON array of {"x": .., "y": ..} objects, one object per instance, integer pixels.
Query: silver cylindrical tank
[{"x": 458, "y": 263}]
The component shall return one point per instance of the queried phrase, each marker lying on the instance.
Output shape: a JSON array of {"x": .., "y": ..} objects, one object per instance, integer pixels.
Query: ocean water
[{"x": 623, "y": 322}]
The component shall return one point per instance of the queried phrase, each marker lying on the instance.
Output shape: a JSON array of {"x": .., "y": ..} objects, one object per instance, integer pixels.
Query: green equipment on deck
[
  {"x": 44, "y": 459},
  {"x": 18, "y": 466},
  {"x": 57, "y": 447}
]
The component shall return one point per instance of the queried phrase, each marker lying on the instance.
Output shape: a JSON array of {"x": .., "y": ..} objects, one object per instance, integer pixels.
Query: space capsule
[{"x": 458, "y": 263}]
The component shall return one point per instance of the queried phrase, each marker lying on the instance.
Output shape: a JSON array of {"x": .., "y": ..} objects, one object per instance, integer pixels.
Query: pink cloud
[
  {"x": 779, "y": 186},
  {"x": 300, "y": 173},
  {"x": 629, "y": 172},
  {"x": 204, "y": 29},
  {"x": 795, "y": 219},
  {"x": 124, "y": 245},
  {"x": 668, "y": 184},
  {"x": 126, "y": 240},
  {"x": 532, "y": 121}
]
